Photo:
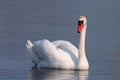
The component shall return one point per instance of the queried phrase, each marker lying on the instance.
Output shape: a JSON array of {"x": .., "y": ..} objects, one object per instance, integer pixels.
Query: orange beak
[{"x": 80, "y": 26}]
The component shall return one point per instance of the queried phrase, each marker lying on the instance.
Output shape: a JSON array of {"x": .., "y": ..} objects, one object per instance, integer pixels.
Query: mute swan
[{"x": 60, "y": 54}]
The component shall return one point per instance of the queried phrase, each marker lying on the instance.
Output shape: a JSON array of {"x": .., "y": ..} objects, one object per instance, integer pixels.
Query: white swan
[{"x": 60, "y": 54}]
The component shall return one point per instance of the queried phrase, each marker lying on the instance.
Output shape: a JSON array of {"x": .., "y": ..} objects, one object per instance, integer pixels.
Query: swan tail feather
[
  {"x": 29, "y": 44},
  {"x": 32, "y": 54}
]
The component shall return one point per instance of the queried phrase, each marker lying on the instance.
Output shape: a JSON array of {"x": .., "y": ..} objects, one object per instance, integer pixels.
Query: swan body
[{"x": 60, "y": 54}]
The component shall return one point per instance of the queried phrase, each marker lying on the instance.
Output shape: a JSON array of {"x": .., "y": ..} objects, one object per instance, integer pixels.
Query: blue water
[{"x": 56, "y": 19}]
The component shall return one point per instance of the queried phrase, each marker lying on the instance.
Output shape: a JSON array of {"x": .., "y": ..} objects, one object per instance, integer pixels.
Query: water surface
[{"x": 53, "y": 20}]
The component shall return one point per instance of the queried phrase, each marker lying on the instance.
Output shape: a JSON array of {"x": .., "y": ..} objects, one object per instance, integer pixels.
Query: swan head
[{"x": 81, "y": 23}]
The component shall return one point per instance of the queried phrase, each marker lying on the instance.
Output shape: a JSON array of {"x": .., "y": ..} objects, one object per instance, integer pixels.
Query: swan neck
[
  {"x": 82, "y": 59},
  {"x": 82, "y": 42}
]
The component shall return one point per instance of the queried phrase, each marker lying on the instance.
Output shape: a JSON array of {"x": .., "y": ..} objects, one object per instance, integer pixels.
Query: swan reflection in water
[{"x": 52, "y": 74}]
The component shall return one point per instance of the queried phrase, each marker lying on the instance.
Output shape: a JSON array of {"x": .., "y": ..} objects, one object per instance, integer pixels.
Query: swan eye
[{"x": 80, "y": 22}]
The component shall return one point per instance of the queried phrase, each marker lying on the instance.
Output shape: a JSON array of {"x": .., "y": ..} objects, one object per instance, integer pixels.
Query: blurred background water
[{"x": 56, "y": 19}]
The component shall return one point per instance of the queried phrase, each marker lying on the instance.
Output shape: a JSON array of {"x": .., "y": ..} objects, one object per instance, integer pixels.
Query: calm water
[{"x": 56, "y": 19}]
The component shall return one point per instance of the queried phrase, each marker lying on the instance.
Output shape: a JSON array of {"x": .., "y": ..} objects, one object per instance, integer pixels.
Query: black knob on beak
[{"x": 78, "y": 31}]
